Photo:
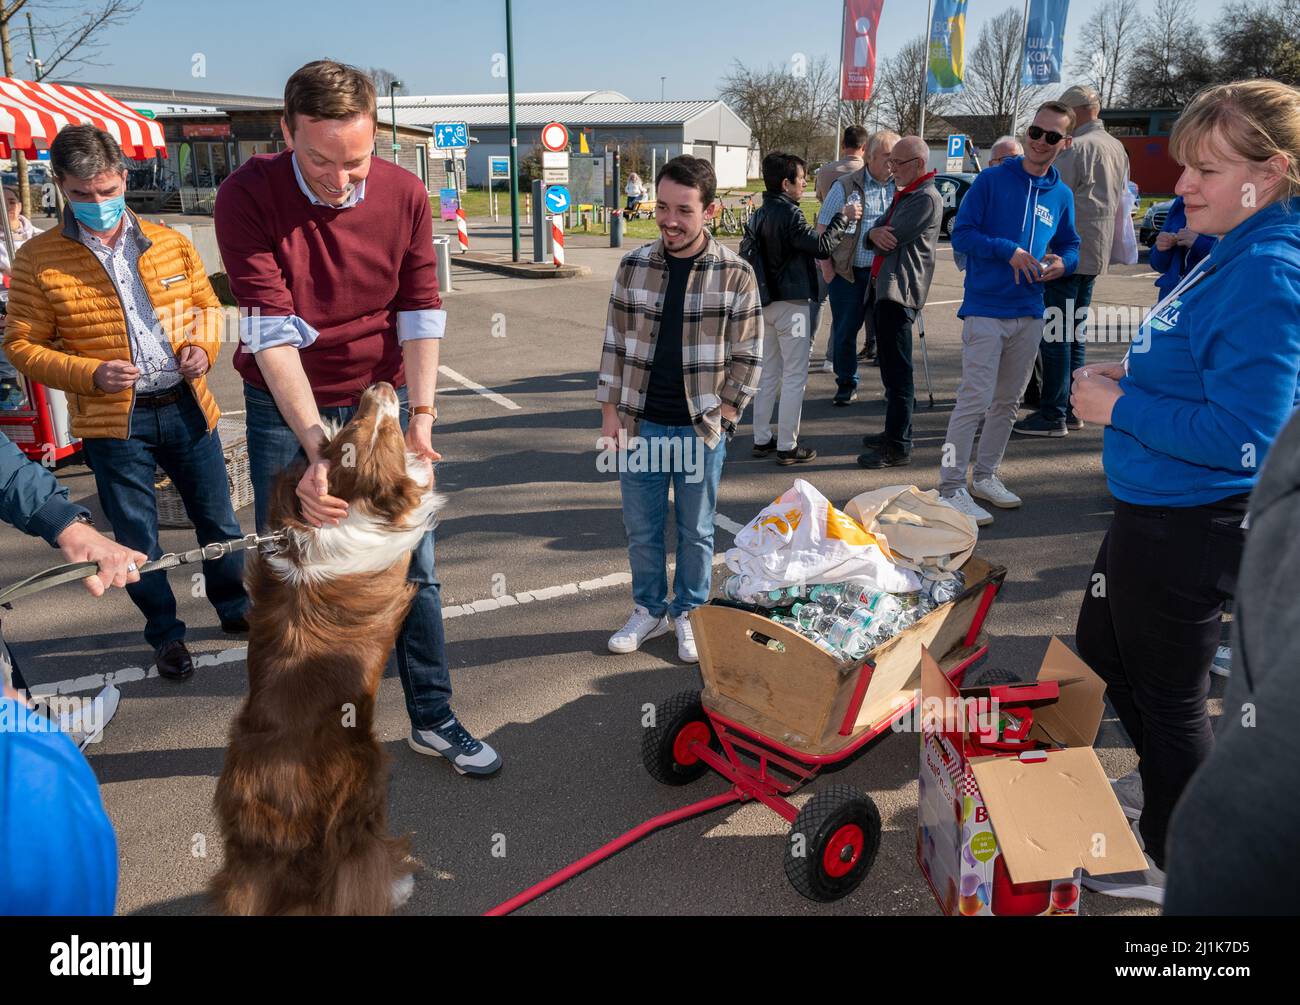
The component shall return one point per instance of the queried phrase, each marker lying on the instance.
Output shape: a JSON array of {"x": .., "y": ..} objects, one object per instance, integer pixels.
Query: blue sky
[{"x": 448, "y": 46}]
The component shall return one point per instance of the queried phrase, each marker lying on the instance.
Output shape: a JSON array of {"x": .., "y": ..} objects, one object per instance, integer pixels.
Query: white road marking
[
  {"x": 464, "y": 381},
  {"x": 940, "y": 303},
  {"x": 238, "y": 654}
]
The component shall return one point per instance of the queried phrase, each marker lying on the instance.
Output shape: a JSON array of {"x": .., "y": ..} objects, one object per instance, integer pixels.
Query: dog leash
[{"x": 74, "y": 572}]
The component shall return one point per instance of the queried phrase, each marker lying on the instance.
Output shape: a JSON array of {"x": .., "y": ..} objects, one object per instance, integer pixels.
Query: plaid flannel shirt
[{"x": 722, "y": 336}]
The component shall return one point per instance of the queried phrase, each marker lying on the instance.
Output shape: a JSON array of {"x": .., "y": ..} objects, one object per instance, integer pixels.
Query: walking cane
[{"x": 925, "y": 355}]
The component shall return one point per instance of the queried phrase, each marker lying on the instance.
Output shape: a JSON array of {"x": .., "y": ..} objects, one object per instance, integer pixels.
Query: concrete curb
[{"x": 485, "y": 262}]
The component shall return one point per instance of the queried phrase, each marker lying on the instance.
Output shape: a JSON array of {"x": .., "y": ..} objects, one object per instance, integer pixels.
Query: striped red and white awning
[{"x": 32, "y": 112}]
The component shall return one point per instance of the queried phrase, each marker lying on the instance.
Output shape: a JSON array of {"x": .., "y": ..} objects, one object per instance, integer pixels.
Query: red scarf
[{"x": 878, "y": 262}]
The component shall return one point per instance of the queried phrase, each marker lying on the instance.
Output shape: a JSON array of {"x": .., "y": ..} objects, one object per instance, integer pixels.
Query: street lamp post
[
  {"x": 661, "y": 88},
  {"x": 393, "y": 85}
]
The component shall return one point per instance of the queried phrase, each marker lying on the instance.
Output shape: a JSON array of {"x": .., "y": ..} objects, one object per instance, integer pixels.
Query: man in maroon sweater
[{"x": 330, "y": 255}]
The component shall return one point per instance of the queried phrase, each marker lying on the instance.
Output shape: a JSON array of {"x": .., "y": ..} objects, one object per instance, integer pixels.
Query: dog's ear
[{"x": 286, "y": 510}]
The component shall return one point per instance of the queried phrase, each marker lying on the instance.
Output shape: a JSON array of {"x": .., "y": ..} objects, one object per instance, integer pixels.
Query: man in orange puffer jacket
[{"x": 119, "y": 314}]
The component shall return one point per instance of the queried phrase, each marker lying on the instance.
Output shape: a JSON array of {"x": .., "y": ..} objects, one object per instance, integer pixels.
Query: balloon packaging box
[{"x": 1013, "y": 802}]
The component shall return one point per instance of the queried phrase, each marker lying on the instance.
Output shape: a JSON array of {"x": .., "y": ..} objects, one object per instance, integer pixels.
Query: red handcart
[{"x": 775, "y": 710}]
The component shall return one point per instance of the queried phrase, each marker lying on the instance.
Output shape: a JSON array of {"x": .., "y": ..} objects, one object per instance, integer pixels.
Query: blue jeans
[
  {"x": 1068, "y": 295},
  {"x": 849, "y": 307},
  {"x": 175, "y": 438},
  {"x": 645, "y": 517},
  {"x": 421, "y": 655}
]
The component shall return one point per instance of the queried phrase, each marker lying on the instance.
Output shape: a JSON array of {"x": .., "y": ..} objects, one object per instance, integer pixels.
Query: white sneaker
[
  {"x": 85, "y": 725},
  {"x": 1146, "y": 885},
  {"x": 1128, "y": 793},
  {"x": 828, "y": 366},
  {"x": 1222, "y": 663},
  {"x": 963, "y": 503},
  {"x": 992, "y": 490},
  {"x": 685, "y": 639},
  {"x": 640, "y": 628}
]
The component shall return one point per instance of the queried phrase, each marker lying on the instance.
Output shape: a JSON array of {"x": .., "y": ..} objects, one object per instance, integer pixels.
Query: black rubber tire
[
  {"x": 992, "y": 677},
  {"x": 948, "y": 225},
  {"x": 671, "y": 717},
  {"x": 817, "y": 823}
]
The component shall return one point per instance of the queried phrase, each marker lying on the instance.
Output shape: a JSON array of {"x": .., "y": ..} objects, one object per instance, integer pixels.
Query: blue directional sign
[
  {"x": 956, "y": 146},
  {"x": 451, "y": 135},
  {"x": 557, "y": 198}
]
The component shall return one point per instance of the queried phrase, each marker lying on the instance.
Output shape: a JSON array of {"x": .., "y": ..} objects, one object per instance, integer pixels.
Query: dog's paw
[{"x": 401, "y": 890}]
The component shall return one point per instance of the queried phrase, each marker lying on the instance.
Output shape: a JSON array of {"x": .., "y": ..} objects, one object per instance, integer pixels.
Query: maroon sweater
[{"x": 345, "y": 272}]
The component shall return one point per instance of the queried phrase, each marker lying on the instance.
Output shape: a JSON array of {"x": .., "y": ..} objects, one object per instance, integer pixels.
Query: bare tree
[
  {"x": 1259, "y": 40},
  {"x": 901, "y": 87},
  {"x": 790, "y": 108},
  {"x": 78, "y": 33},
  {"x": 992, "y": 71},
  {"x": 382, "y": 78},
  {"x": 1107, "y": 43},
  {"x": 1172, "y": 59}
]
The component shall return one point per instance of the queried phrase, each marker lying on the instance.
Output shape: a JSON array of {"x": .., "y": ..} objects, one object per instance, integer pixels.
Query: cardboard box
[
  {"x": 774, "y": 681},
  {"x": 1008, "y": 834}
]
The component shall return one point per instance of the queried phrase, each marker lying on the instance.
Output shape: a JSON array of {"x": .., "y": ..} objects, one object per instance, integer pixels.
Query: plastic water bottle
[
  {"x": 730, "y": 587},
  {"x": 943, "y": 590},
  {"x": 806, "y": 616},
  {"x": 830, "y": 593},
  {"x": 849, "y": 641},
  {"x": 854, "y": 200},
  {"x": 784, "y": 597}
]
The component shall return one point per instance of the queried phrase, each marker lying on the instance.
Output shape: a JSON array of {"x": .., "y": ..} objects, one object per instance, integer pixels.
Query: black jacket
[
  {"x": 1233, "y": 836},
  {"x": 789, "y": 244}
]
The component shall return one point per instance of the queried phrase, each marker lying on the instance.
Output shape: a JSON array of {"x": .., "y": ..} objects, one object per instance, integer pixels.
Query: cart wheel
[
  {"x": 666, "y": 746},
  {"x": 992, "y": 677},
  {"x": 833, "y": 843}
]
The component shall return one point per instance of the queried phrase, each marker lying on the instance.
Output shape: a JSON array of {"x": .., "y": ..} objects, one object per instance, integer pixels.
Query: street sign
[
  {"x": 148, "y": 113},
  {"x": 555, "y": 159},
  {"x": 499, "y": 167},
  {"x": 450, "y": 135},
  {"x": 557, "y": 198},
  {"x": 448, "y": 203},
  {"x": 956, "y": 146},
  {"x": 555, "y": 137}
]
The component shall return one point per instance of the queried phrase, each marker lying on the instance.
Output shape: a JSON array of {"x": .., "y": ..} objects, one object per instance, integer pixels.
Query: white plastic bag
[
  {"x": 1124, "y": 249},
  {"x": 801, "y": 538}
]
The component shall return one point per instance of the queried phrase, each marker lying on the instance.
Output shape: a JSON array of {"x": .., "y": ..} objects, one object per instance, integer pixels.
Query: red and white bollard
[
  {"x": 557, "y": 240},
  {"x": 462, "y": 230}
]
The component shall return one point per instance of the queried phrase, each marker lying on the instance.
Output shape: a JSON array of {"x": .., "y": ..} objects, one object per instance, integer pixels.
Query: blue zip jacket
[
  {"x": 1215, "y": 375},
  {"x": 1176, "y": 262},
  {"x": 31, "y": 498},
  {"x": 1008, "y": 208}
]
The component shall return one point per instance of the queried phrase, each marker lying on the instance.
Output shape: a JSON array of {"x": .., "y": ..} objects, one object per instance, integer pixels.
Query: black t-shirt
[{"x": 665, "y": 399}]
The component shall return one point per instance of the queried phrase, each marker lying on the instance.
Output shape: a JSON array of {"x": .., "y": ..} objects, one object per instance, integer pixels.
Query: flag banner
[
  {"x": 946, "y": 62},
  {"x": 1044, "y": 42},
  {"x": 858, "y": 70}
]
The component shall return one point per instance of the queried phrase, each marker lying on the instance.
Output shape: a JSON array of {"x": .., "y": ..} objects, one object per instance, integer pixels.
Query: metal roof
[
  {"x": 521, "y": 98},
  {"x": 614, "y": 113},
  {"x": 128, "y": 93}
]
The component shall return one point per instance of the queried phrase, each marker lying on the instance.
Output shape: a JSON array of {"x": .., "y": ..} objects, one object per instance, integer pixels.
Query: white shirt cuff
[
  {"x": 420, "y": 324},
  {"x": 258, "y": 333}
]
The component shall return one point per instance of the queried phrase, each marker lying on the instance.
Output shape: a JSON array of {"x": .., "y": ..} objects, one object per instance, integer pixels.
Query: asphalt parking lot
[{"x": 530, "y": 516}]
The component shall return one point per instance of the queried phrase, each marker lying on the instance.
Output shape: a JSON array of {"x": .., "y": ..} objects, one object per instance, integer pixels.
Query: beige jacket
[
  {"x": 1096, "y": 170},
  {"x": 829, "y": 174}
]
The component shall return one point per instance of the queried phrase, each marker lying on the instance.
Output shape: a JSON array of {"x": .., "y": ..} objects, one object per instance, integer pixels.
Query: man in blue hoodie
[{"x": 1016, "y": 229}]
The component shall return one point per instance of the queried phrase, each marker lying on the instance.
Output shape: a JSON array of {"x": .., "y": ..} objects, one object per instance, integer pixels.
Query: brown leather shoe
[{"x": 173, "y": 661}]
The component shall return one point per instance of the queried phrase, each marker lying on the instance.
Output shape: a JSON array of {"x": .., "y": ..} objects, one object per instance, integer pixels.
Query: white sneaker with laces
[
  {"x": 963, "y": 503},
  {"x": 686, "y": 651},
  {"x": 992, "y": 490},
  {"x": 1146, "y": 885},
  {"x": 828, "y": 366},
  {"x": 640, "y": 628},
  {"x": 1221, "y": 666}
]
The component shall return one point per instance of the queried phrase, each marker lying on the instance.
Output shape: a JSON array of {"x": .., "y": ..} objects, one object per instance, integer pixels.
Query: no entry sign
[{"x": 555, "y": 137}]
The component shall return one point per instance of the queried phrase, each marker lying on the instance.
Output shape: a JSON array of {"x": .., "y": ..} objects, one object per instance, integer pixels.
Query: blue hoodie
[
  {"x": 1176, "y": 262},
  {"x": 1008, "y": 208},
  {"x": 1214, "y": 375}
]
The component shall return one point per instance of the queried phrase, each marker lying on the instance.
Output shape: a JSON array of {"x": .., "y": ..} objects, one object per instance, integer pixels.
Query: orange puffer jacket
[{"x": 65, "y": 319}]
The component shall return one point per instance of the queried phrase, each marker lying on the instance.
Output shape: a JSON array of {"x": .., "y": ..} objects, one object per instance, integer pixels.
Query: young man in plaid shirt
[{"x": 683, "y": 346}]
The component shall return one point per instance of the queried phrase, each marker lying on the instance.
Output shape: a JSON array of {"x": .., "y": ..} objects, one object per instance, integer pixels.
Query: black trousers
[
  {"x": 1149, "y": 627},
  {"x": 893, "y": 324}
]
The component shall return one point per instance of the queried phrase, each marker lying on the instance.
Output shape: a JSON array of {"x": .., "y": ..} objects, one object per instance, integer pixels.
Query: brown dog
[{"x": 302, "y": 799}]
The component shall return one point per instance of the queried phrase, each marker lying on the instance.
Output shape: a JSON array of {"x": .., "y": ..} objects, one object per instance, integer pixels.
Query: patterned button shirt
[
  {"x": 876, "y": 199},
  {"x": 150, "y": 350}
]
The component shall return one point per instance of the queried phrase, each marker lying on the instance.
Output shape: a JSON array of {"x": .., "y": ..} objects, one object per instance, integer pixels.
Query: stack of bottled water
[{"x": 847, "y": 620}]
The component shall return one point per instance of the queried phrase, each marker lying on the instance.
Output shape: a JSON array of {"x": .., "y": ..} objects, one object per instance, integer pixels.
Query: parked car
[
  {"x": 1153, "y": 221},
  {"x": 953, "y": 188}
]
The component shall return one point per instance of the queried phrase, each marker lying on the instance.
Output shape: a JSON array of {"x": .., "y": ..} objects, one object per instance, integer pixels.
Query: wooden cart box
[{"x": 772, "y": 680}]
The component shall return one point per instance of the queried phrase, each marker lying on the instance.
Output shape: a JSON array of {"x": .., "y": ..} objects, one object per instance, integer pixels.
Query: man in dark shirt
[{"x": 683, "y": 340}]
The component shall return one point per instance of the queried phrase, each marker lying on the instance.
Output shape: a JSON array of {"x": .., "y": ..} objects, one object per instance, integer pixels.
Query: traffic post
[
  {"x": 462, "y": 229},
  {"x": 557, "y": 240}
]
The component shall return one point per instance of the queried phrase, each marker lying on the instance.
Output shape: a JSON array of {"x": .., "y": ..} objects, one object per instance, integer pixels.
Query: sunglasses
[{"x": 1039, "y": 133}]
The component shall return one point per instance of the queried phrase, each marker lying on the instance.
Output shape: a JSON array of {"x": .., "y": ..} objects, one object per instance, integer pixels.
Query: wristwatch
[{"x": 430, "y": 410}]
